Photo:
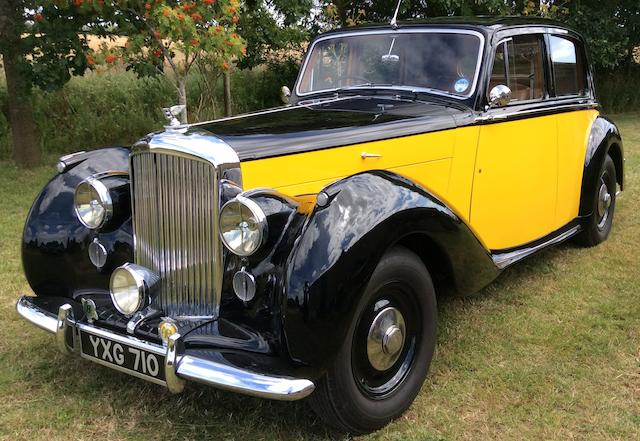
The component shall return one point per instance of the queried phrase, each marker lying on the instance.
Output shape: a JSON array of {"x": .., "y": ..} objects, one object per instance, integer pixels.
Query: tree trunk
[
  {"x": 227, "y": 93},
  {"x": 182, "y": 98},
  {"x": 26, "y": 149}
]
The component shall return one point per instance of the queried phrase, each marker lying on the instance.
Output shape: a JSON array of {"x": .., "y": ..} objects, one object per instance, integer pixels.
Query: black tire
[
  {"x": 400, "y": 281},
  {"x": 597, "y": 226}
]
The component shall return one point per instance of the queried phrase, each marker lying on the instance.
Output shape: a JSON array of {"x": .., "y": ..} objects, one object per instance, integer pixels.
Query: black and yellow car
[{"x": 298, "y": 251}]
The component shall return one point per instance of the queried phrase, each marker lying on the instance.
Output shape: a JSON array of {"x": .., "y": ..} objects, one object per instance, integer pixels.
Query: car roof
[{"x": 485, "y": 24}]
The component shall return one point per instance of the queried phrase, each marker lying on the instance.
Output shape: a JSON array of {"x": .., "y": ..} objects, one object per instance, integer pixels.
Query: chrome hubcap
[
  {"x": 386, "y": 338},
  {"x": 604, "y": 202}
]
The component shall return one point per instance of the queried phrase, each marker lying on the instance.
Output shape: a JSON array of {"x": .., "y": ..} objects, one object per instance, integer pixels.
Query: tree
[
  {"x": 172, "y": 31},
  {"x": 34, "y": 54},
  {"x": 43, "y": 43},
  {"x": 611, "y": 28},
  {"x": 269, "y": 26}
]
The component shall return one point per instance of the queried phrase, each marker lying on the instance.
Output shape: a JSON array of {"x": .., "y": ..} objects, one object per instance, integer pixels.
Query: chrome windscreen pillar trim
[
  {"x": 243, "y": 381},
  {"x": 65, "y": 313},
  {"x": 174, "y": 383}
]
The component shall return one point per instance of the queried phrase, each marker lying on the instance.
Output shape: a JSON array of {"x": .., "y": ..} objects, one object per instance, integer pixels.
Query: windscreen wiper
[{"x": 377, "y": 87}]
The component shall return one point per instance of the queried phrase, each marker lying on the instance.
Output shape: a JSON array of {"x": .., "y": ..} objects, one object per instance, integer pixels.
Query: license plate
[{"x": 123, "y": 357}]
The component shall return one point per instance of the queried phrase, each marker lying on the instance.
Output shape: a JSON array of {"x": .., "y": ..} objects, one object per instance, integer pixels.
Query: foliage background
[{"x": 116, "y": 107}]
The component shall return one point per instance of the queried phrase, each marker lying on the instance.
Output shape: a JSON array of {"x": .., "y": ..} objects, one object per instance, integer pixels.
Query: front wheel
[
  {"x": 386, "y": 355},
  {"x": 597, "y": 226}
]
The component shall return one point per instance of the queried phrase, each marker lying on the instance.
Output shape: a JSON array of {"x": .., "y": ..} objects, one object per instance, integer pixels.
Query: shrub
[{"x": 619, "y": 90}]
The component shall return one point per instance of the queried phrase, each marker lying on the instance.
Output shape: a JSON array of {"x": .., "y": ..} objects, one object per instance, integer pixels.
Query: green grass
[{"x": 551, "y": 350}]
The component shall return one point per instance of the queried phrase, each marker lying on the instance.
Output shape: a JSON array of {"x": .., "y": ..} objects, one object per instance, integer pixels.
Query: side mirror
[
  {"x": 499, "y": 96},
  {"x": 285, "y": 93}
]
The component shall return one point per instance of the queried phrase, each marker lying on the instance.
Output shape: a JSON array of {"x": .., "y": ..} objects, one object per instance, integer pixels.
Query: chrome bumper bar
[{"x": 178, "y": 368}]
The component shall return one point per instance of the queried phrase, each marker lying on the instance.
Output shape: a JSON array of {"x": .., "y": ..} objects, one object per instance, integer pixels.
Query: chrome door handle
[{"x": 365, "y": 155}]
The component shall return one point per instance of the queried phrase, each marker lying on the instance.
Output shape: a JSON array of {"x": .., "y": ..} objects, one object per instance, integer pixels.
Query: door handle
[{"x": 365, "y": 155}]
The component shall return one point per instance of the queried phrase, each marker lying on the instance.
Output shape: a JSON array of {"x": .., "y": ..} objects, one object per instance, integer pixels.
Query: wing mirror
[
  {"x": 499, "y": 96},
  {"x": 285, "y": 93}
]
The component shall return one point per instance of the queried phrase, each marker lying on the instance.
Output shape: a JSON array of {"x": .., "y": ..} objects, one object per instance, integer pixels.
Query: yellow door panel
[
  {"x": 433, "y": 175},
  {"x": 458, "y": 193},
  {"x": 325, "y": 166},
  {"x": 573, "y": 135},
  {"x": 515, "y": 183}
]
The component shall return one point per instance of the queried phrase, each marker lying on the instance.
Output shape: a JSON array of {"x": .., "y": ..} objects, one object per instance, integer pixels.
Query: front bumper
[{"x": 177, "y": 368}]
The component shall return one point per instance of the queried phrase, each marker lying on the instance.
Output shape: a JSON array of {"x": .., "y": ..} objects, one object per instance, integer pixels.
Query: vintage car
[{"x": 298, "y": 251}]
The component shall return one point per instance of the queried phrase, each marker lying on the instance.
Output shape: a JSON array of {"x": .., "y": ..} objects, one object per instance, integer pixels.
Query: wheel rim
[
  {"x": 386, "y": 338},
  {"x": 385, "y": 342},
  {"x": 604, "y": 204}
]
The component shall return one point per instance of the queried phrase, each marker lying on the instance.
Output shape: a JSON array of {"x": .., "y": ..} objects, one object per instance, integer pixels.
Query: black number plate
[{"x": 123, "y": 357}]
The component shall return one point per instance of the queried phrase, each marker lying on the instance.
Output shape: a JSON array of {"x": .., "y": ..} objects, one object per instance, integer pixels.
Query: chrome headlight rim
[
  {"x": 140, "y": 286},
  {"x": 105, "y": 200},
  {"x": 261, "y": 222}
]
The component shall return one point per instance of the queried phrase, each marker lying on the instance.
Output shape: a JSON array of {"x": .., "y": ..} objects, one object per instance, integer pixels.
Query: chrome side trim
[
  {"x": 177, "y": 368},
  {"x": 547, "y": 109},
  {"x": 243, "y": 381},
  {"x": 503, "y": 260}
]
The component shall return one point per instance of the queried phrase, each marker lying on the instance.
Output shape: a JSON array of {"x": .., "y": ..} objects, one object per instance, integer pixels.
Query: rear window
[{"x": 568, "y": 67}]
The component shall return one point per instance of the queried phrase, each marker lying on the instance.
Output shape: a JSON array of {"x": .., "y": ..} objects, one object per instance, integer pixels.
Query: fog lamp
[
  {"x": 167, "y": 328},
  {"x": 130, "y": 287},
  {"x": 92, "y": 203},
  {"x": 243, "y": 226}
]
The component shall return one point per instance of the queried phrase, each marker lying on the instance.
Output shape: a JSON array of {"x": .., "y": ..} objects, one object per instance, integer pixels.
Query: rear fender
[{"x": 604, "y": 139}]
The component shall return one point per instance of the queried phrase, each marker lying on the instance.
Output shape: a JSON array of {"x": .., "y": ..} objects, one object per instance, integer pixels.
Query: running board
[{"x": 503, "y": 260}]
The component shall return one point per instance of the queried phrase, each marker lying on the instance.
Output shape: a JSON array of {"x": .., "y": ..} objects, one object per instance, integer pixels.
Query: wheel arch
[
  {"x": 615, "y": 151},
  {"x": 604, "y": 139},
  {"x": 344, "y": 239},
  {"x": 434, "y": 258}
]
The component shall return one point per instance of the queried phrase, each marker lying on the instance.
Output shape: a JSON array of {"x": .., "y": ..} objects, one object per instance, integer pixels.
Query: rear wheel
[
  {"x": 597, "y": 227},
  {"x": 385, "y": 358}
]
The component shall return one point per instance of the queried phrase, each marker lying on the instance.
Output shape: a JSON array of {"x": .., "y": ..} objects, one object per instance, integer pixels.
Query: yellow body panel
[
  {"x": 309, "y": 172},
  {"x": 573, "y": 136},
  {"x": 512, "y": 182},
  {"x": 515, "y": 184}
]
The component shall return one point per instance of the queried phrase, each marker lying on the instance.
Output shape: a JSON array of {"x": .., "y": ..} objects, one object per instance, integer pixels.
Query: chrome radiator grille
[{"x": 175, "y": 208}]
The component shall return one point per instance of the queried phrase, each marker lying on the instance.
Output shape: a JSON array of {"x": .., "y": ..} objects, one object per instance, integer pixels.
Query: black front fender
[
  {"x": 55, "y": 243},
  {"x": 341, "y": 244}
]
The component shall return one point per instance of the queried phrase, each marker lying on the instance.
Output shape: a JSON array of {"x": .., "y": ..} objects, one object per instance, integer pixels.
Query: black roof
[{"x": 486, "y": 24}]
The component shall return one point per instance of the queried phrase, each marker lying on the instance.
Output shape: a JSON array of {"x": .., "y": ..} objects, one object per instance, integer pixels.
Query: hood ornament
[{"x": 171, "y": 113}]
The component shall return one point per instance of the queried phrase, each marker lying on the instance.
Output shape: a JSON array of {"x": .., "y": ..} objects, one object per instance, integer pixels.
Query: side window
[
  {"x": 569, "y": 74},
  {"x": 518, "y": 64}
]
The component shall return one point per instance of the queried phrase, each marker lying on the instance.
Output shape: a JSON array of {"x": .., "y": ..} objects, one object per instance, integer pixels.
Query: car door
[
  {"x": 515, "y": 183},
  {"x": 570, "y": 88}
]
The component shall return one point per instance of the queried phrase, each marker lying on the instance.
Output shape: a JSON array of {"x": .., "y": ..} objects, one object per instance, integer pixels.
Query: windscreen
[{"x": 444, "y": 62}]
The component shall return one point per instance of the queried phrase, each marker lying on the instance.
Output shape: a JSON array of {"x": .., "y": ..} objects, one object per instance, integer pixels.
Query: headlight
[
  {"x": 93, "y": 203},
  {"x": 243, "y": 226},
  {"x": 130, "y": 287}
]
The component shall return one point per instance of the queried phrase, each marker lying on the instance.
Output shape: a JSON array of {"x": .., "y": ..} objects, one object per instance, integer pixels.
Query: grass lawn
[{"x": 551, "y": 350}]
